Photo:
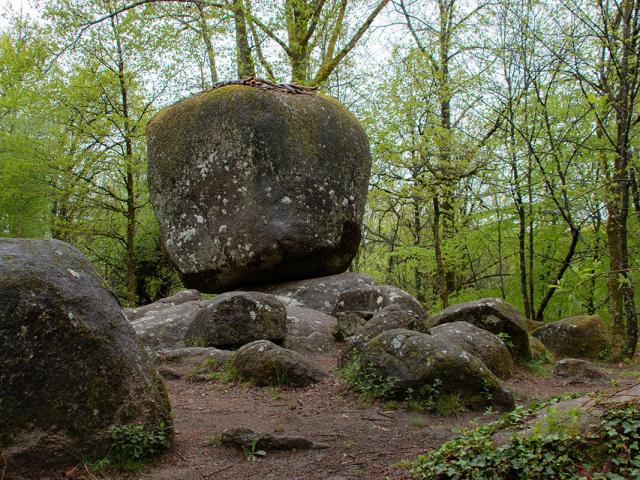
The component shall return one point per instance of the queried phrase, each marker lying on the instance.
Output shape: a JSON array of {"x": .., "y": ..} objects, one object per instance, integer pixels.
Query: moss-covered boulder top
[
  {"x": 257, "y": 186},
  {"x": 70, "y": 363}
]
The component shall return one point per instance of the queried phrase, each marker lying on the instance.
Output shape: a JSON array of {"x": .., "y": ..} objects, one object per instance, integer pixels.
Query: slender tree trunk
[
  {"x": 205, "y": 32},
  {"x": 130, "y": 178},
  {"x": 244, "y": 56},
  {"x": 441, "y": 278},
  {"x": 417, "y": 243}
]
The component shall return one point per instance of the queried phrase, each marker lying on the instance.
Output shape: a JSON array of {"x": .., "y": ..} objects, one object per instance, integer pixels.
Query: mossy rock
[
  {"x": 389, "y": 318},
  {"x": 236, "y": 318},
  {"x": 583, "y": 336},
  {"x": 480, "y": 343},
  {"x": 257, "y": 186},
  {"x": 494, "y": 315},
  {"x": 414, "y": 361},
  {"x": 70, "y": 363},
  {"x": 265, "y": 363}
]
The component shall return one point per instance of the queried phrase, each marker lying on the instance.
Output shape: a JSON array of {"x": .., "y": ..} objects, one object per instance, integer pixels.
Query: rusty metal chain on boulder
[{"x": 253, "y": 81}]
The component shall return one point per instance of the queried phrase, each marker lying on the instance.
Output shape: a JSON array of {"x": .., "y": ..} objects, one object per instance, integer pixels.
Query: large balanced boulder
[
  {"x": 265, "y": 363},
  {"x": 583, "y": 336},
  {"x": 70, "y": 363},
  {"x": 253, "y": 186},
  {"x": 166, "y": 327},
  {"x": 317, "y": 293},
  {"x": 494, "y": 315},
  {"x": 478, "y": 342},
  {"x": 236, "y": 318},
  {"x": 368, "y": 300},
  {"x": 414, "y": 361}
]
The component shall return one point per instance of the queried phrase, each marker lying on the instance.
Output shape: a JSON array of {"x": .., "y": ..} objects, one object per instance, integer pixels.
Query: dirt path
[{"x": 364, "y": 441}]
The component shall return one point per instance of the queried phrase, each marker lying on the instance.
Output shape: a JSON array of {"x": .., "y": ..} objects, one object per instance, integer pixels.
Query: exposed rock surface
[
  {"x": 480, "y": 343},
  {"x": 254, "y": 186},
  {"x": 317, "y": 293},
  {"x": 70, "y": 363},
  {"x": 236, "y": 318},
  {"x": 244, "y": 437},
  {"x": 418, "y": 360},
  {"x": 347, "y": 324},
  {"x": 494, "y": 315},
  {"x": 372, "y": 299},
  {"x": 578, "y": 370},
  {"x": 582, "y": 415},
  {"x": 583, "y": 336},
  {"x": 268, "y": 364},
  {"x": 389, "y": 318},
  {"x": 538, "y": 350},
  {"x": 167, "y": 327},
  {"x": 190, "y": 356},
  {"x": 180, "y": 297},
  {"x": 308, "y": 331}
]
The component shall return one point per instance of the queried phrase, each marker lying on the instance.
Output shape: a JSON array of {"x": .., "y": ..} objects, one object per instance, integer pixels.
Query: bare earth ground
[{"x": 364, "y": 441}]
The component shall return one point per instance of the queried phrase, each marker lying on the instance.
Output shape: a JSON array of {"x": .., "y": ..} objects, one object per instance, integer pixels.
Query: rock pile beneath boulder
[
  {"x": 254, "y": 186},
  {"x": 317, "y": 293},
  {"x": 166, "y": 327},
  {"x": 368, "y": 300},
  {"x": 71, "y": 365},
  {"x": 181, "y": 297}
]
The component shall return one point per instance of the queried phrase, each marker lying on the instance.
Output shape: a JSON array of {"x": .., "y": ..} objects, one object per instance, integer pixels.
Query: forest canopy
[{"x": 504, "y": 135}]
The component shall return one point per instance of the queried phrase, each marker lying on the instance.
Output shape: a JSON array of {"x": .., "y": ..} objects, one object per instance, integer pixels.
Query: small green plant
[
  {"x": 135, "y": 441},
  {"x": 282, "y": 377},
  {"x": 390, "y": 405},
  {"x": 278, "y": 427},
  {"x": 276, "y": 393},
  {"x": 448, "y": 405},
  {"x": 214, "y": 440},
  {"x": 131, "y": 446},
  {"x": 365, "y": 380},
  {"x": 506, "y": 339},
  {"x": 416, "y": 422},
  {"x": 213, "y": 370},
  {"x": 251, "y": 453},
  {"x": 539, "y": 367}
]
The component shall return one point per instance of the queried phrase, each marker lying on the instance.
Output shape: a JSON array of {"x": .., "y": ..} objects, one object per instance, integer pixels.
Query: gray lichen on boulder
[{"x": 253, "y": 186}]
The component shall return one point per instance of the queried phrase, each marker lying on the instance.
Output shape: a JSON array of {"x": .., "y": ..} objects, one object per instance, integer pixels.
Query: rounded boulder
[
  {"x": 253, "y": 186},
  {"x": 70, "y": 363}
]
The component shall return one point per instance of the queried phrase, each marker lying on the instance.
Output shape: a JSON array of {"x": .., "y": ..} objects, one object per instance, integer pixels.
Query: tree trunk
[
  {"x": 244, "y": 57},
  {"x": 441, "y": 278}
]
